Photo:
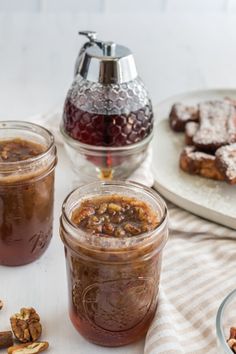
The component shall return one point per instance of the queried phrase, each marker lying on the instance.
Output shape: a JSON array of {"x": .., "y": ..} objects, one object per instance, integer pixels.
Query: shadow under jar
[
  {"x": 113, "y": 276},
  {"x": 27, "y": 163}
]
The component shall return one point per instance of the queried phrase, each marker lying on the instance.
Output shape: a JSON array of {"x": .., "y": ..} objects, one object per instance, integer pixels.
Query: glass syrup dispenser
[{"x": 108, "y": 120}]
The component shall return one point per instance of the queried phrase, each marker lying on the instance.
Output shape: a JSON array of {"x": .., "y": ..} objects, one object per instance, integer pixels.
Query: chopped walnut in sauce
[{"x": 115, "y": 216}]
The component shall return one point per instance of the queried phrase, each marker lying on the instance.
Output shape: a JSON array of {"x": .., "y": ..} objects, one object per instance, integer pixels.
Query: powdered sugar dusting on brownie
[
  {"x": 217, "y": 125},
  {"x": 185, "y": 113},
  {"x": 231, "y": 101},
  {"x": 191, "y": 128},
  {"x": 181, "y": 114},
  {"x": 232, "y": 128},
  {"x": 226, "y": 157}
]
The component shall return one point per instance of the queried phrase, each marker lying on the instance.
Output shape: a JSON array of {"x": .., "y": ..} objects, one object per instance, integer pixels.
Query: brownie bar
[
  {"x": 226, "y": 162},
  {"x": 217, "y": 127},
  {"x": 199, "y": 163},
  {"x": 180, "y": 115}
]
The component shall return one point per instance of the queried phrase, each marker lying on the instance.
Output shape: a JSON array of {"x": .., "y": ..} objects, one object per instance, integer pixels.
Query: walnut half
[
  {"x": 232, "y": 344},
  {"x": 232, "y": 339},
  {"x": 26, "y": 325},
  {"x": 28, "y": 348}
]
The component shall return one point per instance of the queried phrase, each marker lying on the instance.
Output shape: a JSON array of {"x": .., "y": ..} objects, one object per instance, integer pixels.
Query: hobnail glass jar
[{"x": 107, "y": 128}]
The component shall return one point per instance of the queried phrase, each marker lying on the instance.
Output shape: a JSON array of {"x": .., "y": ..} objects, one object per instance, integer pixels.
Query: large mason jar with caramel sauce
[
  {"x": 114, "y": 234},
  {"x": 27, "y": 163}
]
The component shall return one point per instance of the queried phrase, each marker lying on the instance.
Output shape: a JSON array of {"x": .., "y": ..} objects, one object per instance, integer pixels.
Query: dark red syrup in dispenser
[{"x": 107, "y": 130}]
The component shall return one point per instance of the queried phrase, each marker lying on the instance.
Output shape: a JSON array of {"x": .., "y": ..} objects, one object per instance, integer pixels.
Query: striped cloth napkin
[{"x": 199, "y": 269}]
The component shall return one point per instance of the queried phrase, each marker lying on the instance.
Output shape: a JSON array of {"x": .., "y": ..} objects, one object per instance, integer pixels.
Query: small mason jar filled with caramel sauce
[
  {"x": 114, "y": 234},
  {"x": 27, "y": 163}
]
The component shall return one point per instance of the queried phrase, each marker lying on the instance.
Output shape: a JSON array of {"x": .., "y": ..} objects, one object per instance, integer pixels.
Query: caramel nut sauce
[
  {"x": 26, "y": 201},
  {"x": 19, "y": 150},
  {"x": 115, "y": 215}
]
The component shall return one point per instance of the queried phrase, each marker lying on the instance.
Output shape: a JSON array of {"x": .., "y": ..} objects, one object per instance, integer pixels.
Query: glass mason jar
[
  {"x": 26, "y": 196},
  {"x": 113, "y": 282}
]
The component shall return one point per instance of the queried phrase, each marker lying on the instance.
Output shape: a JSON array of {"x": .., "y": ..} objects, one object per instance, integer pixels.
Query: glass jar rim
[
  {"x": 219, "y": 317},
  {"x": 104, "y": 149},
  {"x": 116, "y": 244},
  {"x": 34, "y": 128}
]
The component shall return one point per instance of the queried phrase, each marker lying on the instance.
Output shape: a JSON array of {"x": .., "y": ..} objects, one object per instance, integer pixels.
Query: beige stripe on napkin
[{"x": 199, "y": 270}]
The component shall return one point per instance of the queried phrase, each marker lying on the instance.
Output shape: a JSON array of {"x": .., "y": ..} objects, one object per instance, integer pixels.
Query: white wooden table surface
[{"x": 174, "y": 53}]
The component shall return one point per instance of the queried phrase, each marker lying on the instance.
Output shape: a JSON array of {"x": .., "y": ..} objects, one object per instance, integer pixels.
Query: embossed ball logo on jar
[{"x": 118, "y": 305}]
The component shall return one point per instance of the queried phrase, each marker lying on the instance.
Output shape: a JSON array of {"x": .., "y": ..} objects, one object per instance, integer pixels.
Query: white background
[
  {"x": 174, "y": 52},
  {"x": 110, "y": 6},
  {"x": 178, "y": 45}
]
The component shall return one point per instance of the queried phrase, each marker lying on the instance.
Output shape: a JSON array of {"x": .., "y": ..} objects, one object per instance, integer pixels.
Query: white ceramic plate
[{"x": 210, "y": 199}]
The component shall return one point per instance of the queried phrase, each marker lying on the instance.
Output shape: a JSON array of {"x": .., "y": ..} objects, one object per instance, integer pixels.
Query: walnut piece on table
[
  {"x": 28, "y": 348},
  {"x": 26, "y": 325}
]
